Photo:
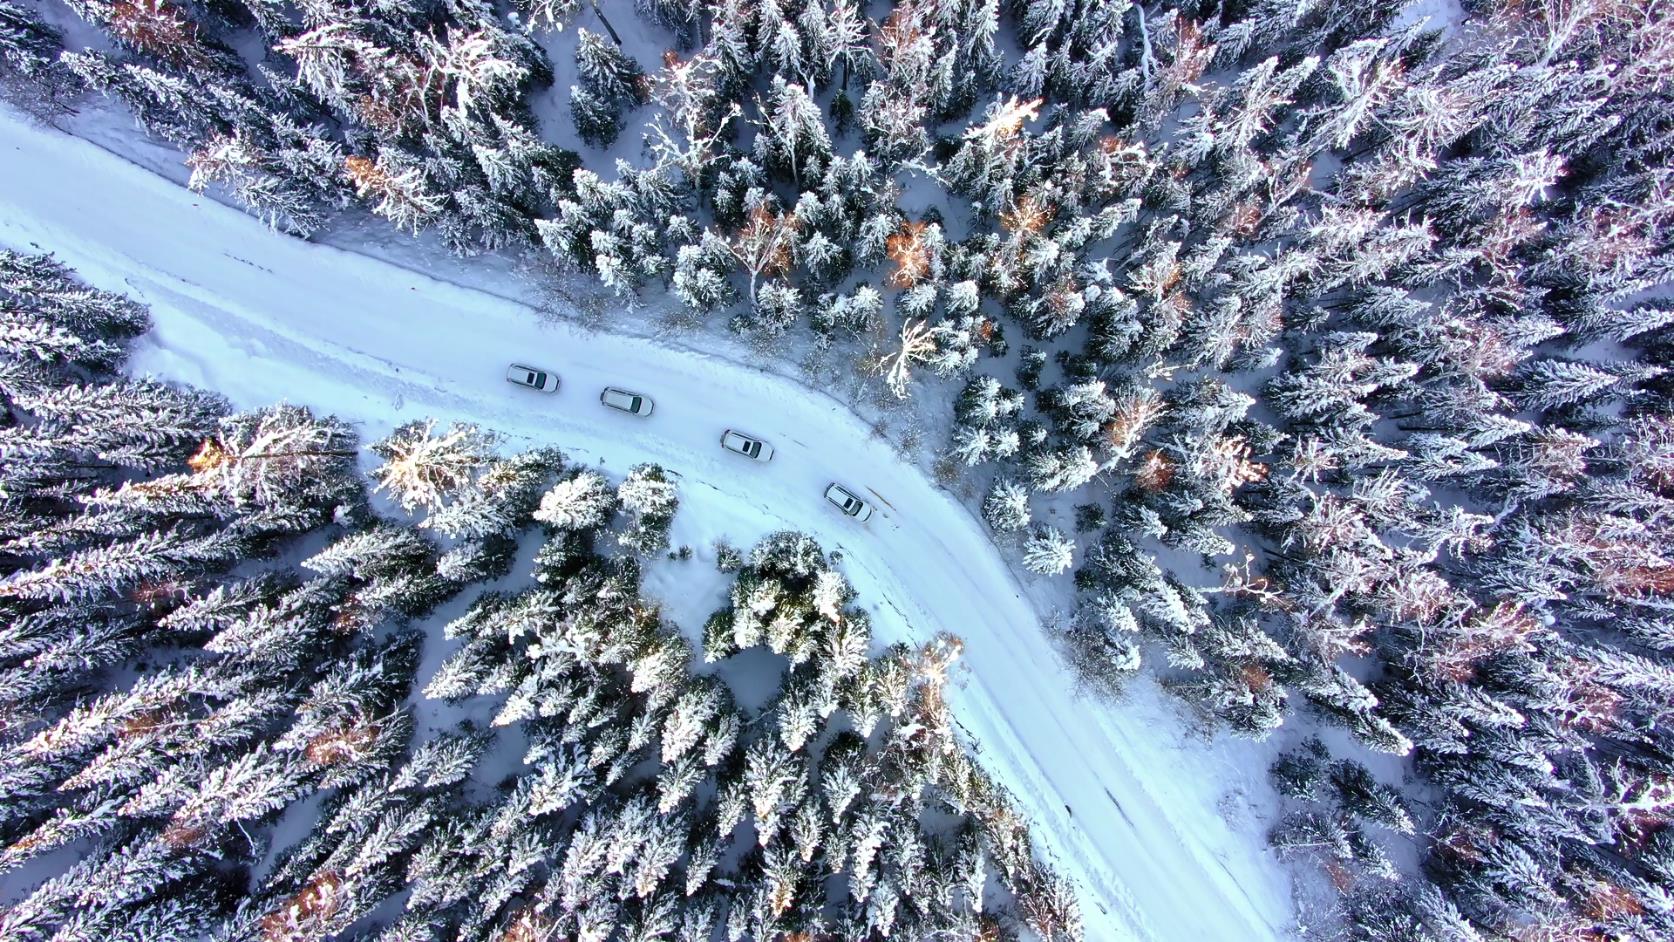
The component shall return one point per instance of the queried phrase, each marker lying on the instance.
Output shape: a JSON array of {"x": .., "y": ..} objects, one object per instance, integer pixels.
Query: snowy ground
[{"x": 1161, "y": 827}]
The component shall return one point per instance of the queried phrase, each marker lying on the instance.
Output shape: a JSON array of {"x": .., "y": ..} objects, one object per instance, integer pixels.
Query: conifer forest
[{"x": 1306, "y": 363}]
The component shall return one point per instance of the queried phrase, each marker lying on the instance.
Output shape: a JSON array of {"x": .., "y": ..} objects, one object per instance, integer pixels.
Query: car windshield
[
  {"x": 753, "y": 449},
  {"x": 634, "y": 403},
  {"x": 537, "y": 379}
]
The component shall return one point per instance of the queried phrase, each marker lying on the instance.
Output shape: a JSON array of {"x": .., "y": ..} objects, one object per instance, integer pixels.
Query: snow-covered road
[{"x": 1118, "y": 799}]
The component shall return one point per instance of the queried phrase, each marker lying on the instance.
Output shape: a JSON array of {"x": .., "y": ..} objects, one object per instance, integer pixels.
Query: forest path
[{"x": 1117, "y": 796}]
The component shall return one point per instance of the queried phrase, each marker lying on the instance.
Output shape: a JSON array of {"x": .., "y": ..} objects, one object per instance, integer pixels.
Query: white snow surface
[{"x": 1160, "y": 825}]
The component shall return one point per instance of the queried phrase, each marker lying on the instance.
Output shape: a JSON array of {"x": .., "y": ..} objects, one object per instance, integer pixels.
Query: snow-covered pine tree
[
  {"x": 1048, "y": 552},
  {"x": 1007, "y": 506},
  {"x": 30, "y": 76},
  {"x": 648, "y": 496},
  {"x": 609, "y": 82}
]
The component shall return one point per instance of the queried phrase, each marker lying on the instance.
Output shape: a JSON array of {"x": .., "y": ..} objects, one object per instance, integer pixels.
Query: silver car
[
  {"x": 532, "y": 378},
  {"x": 629, "y": 402},
  {"x": 849, "y": 504},
  {"x": 753, "y": 448}
]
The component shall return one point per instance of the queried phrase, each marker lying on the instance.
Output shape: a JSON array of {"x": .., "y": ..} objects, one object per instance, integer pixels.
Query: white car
[
  {"x": 848, "y": 503},
  {"x": 629, "y": 402},
  {"x": 752, "y": 448},
  {"x": 532, "y": 378}
]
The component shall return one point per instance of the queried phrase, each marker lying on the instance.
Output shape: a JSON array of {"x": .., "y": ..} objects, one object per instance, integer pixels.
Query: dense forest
[
  {"x": 213, "y": 724},
  {"x": 1346, "y": 333}
]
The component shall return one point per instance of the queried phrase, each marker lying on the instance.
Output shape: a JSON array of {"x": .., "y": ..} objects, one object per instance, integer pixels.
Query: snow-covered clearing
[{"x": 1128, "y": 801}]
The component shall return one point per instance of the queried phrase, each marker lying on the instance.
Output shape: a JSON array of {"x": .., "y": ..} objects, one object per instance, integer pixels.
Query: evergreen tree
[
  {"x": 423, "y": 469},
  {"x": 29, "y": 72},
  {"x": 1007, "y": 506},
  {"x": 1048, "y": 552},
  {"x": 648, "y": 497}
]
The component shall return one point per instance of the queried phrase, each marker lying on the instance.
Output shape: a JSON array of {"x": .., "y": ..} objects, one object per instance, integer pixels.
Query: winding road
[{"x": 1117, "y": 798}]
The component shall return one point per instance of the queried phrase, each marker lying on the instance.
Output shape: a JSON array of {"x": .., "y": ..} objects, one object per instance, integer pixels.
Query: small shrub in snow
[{"x": 727, "y": 557}]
